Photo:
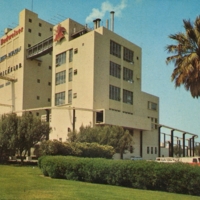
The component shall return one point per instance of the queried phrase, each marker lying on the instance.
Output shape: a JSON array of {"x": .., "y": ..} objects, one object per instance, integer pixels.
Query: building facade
[
  {"x": 90, "y": 77},
  {"x": 25, "y": 83},
  {"x": 97, "y": 81}
]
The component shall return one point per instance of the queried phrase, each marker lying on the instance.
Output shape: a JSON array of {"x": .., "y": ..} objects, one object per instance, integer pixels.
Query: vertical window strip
[
  {"x": 60, "y": 59},
  {"x": 115, "y": 49},
  {"x": 70, "y": 75},
  {"x": 115, "y": 70},
  {"x": 70, "y": 55},
  {"x": 60, "y": 77},
  {"x": 114, "y": 93},
  {"x": 127, "y": 75},
  {"x": 128, "y": 97},
  {"x": 69, "y": 96},
  {"x": 60, "y": 98},
  {"x": 128, "y": 55}
]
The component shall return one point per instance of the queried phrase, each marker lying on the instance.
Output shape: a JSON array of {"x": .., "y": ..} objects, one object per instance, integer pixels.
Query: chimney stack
[
  {"x": 112, "y": 20},
  {"x": 95, "y": 23},
  {"x": 107, "y": 24},
  {"x": 98, "y": 22}
]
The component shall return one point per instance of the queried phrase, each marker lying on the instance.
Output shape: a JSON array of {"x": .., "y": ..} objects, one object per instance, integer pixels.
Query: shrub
[
  {"x": 76, "y": 149},
  {"x": 177, "y": 178}
]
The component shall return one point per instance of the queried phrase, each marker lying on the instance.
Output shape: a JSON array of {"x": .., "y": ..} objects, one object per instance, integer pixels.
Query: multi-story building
[
  {"x": 25, "y": 83},
  {"x": 97, "y": 81},
  {"x": 92, "y": 77}
]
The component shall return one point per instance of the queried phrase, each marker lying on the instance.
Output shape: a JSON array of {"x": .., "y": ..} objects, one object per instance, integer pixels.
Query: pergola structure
[{"x": 171, "y": 144}]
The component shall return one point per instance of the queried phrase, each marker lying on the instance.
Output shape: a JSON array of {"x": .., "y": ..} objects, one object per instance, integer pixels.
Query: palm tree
[{"x": 186, "y": 57}]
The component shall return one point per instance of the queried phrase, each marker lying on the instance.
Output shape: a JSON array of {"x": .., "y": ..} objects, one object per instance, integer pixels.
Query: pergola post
[
  {"x": 172, "y": 143},
  {"x": 184, "y": 144},
  {"x": 74, "y": 118},
  {"x": 193, "y": 145},
  {"x": 159, "y": 133}
]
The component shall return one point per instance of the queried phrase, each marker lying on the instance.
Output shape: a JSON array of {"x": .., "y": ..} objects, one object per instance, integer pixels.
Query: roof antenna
[{"x": 32, "y": 6}]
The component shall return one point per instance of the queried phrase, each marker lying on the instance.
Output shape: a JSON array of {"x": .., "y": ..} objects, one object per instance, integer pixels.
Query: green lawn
[{"x": 28, "y": 183}]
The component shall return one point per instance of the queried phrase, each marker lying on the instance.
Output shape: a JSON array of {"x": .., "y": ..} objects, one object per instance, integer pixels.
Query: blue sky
[{"x": 147, "y": 23}]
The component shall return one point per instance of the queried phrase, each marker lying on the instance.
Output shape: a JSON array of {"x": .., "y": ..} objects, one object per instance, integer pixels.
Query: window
[
  {"x": 29, "y": 30},
  {"x": 147, "y": 150},
  {"x": 39, "y": 34},
  {"x": 2, "y": 85},
  {"x": 70, "y": 55},
  {"x": 38, "y": 97},
  {"x": 75, "y": 72},
  {"x": 69, "y": 96},
  {"x": 152, "y": 106},
  {"x": 115, "y": 49},
  {"x": 70, "y": 75},
  {"x": 114, "y": 93},
  {"x": 60, "y": 98},
  {"x": 128, "y": 97},
  {"x": 128, "y": 75},
  {"x": 40, "y": 24},
  {"x": 30, "y": 20},
  {"x": 60, "y": 77},
  {"x": 29, "y": 45},
  {"x": 49, "y": 99},
  {"x": 50, "y": 67},
  {"x": 115, "y": 70},
  {"x": 128, "y": 55},
  {"x": 60, "y": 59},
  {"x": 49, "y": 83},
  {"x": 38, "y": 80},
  {"x": 155, "y": 150},
  {"x": 151, "y": 150},
  {"x": 75, "y": 95},
  {"x": 51, "y": 29}
]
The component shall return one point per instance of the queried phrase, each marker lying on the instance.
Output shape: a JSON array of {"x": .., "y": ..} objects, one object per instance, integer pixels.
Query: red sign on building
[{"x": 59, "y": 33}]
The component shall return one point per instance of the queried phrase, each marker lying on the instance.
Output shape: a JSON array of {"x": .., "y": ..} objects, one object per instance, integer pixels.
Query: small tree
[
  {"x": 20, "y": 133},
  {"x": 31, "y": 130},
  {"x": 197, "y": 150},
  {"x": 8, "y": 132},
  {"x": 178, "y": 151},
  {"x": 114, "y": 136}
]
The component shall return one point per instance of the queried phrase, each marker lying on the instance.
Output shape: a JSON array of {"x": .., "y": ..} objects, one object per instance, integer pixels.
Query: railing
[{"x": 40, "y": 49}]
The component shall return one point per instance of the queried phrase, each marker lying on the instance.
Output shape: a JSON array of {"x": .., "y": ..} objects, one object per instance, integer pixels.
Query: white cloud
[{"x": 106, "y": 7}]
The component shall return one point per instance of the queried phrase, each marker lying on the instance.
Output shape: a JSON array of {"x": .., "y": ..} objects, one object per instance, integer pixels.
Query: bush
[
  {"x": 91, "y": 150},
  {"x": 177, "y": 178}
]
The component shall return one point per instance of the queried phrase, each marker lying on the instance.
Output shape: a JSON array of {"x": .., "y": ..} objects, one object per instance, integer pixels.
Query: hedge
[
  {"x": 176, "y": 178},
  {"x": 91, "y": 150}
]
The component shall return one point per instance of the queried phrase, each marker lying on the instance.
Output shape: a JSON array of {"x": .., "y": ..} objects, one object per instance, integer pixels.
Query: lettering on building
[
  {"x": 12, "y": 53},
  {"x": 12, "y": 35}
]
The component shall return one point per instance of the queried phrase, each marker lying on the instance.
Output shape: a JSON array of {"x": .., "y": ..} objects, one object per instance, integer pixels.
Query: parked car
[{"x": 136, "y": 158}]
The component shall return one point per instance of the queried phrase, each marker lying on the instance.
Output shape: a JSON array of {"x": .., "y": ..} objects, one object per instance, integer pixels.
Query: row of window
[
  {"x": 115, "y": 70},
  {"x": 10, "y": 69},
  {"x": 115, "y": 49},
  {"x": 38, "y": 98},
  {"x": 61, "y": 76},
  {"x": 153, "y": 150},
  {"x": 61, "y": 58},
  {"x": 6, "y": 84},
  {"x": 60, "y": 97},
  {"x": 40, "y": 24},
  {"x": 152, "y": 105},
  {"x": 129, "y": 113},
  {"x": 114, "y": 94},
  {"x": 154, "y": 120}
]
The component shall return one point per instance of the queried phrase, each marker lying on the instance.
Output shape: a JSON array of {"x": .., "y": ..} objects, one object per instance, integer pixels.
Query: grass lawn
[{"x": 27, "y": 183}]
